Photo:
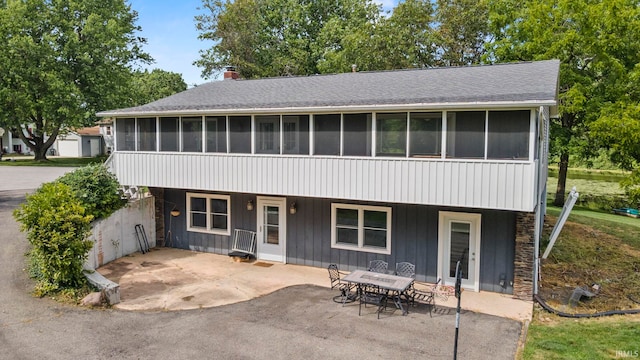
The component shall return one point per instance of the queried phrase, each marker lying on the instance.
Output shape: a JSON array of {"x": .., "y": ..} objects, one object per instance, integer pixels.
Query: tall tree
[
  {"x": 157, "y": 84},
  {"x": 597, "y": 45},
  {"x": 403, "y": 40},
  {"x": 462, "y": 31},
  {"x": 61, "y": 61},
  {"x": 264, "y": 38}
]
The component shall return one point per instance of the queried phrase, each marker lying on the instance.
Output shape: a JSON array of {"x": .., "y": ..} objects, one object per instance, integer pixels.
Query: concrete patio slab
[{"x": 174, "y": 279}]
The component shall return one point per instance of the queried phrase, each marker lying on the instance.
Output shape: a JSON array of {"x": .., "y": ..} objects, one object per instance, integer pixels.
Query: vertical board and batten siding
[
  {"x": 471, "y": 184},
  {"x": 414, "y": 237}
]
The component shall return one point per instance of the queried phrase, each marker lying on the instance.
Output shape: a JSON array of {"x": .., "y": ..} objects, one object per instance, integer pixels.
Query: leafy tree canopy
[
  {"x": 157, "y": 84},
  {"x": 598, "y": 43},
  {"x": 61, "y": 61}
]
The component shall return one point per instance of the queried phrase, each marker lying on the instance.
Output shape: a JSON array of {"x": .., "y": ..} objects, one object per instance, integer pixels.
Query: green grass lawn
[
  {"x": 596, "y": 246},
  {"x": 54, "y": 161},
  {"x": 598, "y": 338}
]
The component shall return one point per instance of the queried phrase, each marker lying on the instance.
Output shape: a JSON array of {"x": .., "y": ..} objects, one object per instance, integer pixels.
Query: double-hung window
[
  {"x": 361, "y": 227},
  {"x": 209, "y": 213}
]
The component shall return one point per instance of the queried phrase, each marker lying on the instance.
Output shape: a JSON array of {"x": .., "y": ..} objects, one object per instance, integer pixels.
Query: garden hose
[{"x": 582, "y": 316}]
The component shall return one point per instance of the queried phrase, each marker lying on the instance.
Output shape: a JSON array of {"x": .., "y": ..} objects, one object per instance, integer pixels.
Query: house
[
  {"x": 84, "y": 142},
  {"x": 427, "y": 166},
  {"x": 10, "y": 143},
  {"x": 106, "y": 130}
]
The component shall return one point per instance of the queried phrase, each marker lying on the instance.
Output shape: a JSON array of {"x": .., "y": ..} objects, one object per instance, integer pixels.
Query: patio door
[
  {"x": 272, "y": 229},
  {"x": 459, "y": 238}
]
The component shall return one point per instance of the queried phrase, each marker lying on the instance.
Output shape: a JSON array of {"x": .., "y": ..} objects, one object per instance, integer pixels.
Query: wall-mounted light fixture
[
  {"x": 250, "y": 205},
  {"x": 175, "y": 212},
  {"x": 293, "y": 208}
]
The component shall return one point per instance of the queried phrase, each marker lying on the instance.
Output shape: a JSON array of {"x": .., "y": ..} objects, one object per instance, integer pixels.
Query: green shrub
[
  {"x": 96, "y": 188},
  {"x": 57, "y": 228}
]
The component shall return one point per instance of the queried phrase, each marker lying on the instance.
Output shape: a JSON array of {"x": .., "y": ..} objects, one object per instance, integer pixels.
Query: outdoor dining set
[{"x": 377, "y": 286}]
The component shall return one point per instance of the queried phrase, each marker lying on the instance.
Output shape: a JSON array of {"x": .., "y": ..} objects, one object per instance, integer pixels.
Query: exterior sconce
[
  {"x": 293, "y": 209},
  {"x": 250, "y": 205},
  {"x": 175, "y": 212}
]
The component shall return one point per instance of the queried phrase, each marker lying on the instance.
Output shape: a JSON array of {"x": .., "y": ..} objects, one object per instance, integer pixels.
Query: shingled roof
[{"x": 516, "y": 83}]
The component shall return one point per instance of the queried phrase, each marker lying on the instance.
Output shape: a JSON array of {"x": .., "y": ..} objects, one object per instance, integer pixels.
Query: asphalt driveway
[{"x": 299, "y": 322}]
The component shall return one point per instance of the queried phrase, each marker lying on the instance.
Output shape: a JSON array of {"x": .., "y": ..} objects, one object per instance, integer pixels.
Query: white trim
[
  {"x": 208, "y": 197},
  {"x": 360, "y": 247},
  {"x": 532, "y": 135},
  {"x": 486, "y": 135},
  {"x": 475, "y": 221},
  {"x": 281, "y": 203},
  {"x": 484, "y": 105}
]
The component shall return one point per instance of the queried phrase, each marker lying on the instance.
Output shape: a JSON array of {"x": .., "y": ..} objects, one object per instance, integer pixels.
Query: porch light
[
  {"x": 293, "y": 209},
  {"x": 175, "y": 212},
  {"x": 250, "y": 205}
]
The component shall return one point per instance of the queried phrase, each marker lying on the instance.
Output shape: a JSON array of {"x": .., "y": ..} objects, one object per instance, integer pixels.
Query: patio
[{"x": 174, "y": 279}]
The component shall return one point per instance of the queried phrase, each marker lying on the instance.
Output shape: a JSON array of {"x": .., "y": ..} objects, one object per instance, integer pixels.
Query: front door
[
  {"x": 272, "y": 229},
  {"x": 459, "y": 239}
]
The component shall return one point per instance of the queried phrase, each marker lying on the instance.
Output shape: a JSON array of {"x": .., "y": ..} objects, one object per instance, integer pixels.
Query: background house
[
  {"x": 85, "y": 142},
  {"x": 427, "y": 166},
  {"x": 10, "y": 143}
]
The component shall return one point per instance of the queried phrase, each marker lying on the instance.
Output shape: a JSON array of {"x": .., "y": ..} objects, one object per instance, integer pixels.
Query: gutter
[{"x": 487, "y": 105}]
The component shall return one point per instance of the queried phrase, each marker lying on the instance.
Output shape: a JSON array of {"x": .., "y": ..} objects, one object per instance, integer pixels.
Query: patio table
[{"x": 397, "y": 284}]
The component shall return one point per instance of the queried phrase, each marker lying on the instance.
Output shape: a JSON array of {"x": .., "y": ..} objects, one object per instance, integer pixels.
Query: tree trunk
[
  {"x": 40, "y": 152},
  {"x": 562, "y": 179}
]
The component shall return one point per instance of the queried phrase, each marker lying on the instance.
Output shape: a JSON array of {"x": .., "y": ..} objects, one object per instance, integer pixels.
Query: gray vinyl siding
[
  {"x": 414, "y": 237},
  {"x": 474, "y": 184}
]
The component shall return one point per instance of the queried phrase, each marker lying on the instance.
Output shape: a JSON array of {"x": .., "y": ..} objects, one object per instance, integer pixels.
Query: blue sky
[{"x": 172, "y": 39}]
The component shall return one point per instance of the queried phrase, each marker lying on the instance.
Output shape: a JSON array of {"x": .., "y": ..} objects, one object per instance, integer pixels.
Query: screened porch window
[
  {"x": 125, "y": 134},
  {"x": 508, "y": 136},
  {"x": 357, "y": 135},
  {"x": 326, "y": 134},
  {"x": 209, "y": 213},
  {"x": 268, "y": 134},
  {"x": 391, "y": 130},
  {"x": 465, "y": 134},
  {"x": 169, "y": 131},
  {"x": 216, "y": 134},
  {"x": 240, "y": 134},
  {"x": 146, "y": 134},
  {"x": 192, "y": 134},
  {"x": 425, "y": 135},
  {"x": 295, "y": 132},
  {"x": 361, "y": 227}
]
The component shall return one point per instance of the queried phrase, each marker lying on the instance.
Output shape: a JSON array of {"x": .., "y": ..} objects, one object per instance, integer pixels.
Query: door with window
[
  {"x": 459, "y": 239},
  {"x": 272, "y": 229}
]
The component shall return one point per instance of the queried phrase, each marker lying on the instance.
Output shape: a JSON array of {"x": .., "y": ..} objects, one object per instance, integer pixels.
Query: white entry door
[
  {"x": 272, "y": 229},
  {"x": 459, "y": 238}
]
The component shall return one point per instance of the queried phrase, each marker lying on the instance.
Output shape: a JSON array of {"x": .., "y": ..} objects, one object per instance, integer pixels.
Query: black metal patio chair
[
  {"x": 407, "y": 269},
  {"x": 379, "y": 266},
  {"x": 373, "y": 295},
  {"x": 344, "y": 287}
]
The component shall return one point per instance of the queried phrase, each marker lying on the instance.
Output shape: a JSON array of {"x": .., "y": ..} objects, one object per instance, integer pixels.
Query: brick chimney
[{"x": 231, "y": 73}]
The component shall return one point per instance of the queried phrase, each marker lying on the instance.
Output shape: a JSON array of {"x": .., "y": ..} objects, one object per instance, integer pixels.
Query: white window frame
[
  {"x": 209, "y": 229},
  {"x": 360, "y": 246}
]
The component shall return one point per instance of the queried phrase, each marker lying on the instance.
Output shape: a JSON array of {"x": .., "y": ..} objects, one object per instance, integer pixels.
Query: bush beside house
[{"x": 57, "y": 218}]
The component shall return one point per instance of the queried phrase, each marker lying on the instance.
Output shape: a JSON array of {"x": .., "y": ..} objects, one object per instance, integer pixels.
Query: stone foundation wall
[{"x": 524, "y": 256}]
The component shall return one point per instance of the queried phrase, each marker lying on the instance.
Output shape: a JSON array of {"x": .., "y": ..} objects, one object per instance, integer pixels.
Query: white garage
[{"x": 68, "y": 148}]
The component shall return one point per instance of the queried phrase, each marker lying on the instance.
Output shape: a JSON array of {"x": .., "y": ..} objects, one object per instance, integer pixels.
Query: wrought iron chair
[
  {"x": 406, "y": 269},
  {"x": 426, "y": 296},
  {"x": 379, "y": 266},
  {"x": 372, "y": 294},
  {"x": 344, "y": 287}
]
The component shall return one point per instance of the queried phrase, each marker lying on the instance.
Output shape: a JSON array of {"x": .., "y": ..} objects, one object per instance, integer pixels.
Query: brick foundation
[
  {"x": 158, "y": 193},
  {"x": 524, "y": 256}
]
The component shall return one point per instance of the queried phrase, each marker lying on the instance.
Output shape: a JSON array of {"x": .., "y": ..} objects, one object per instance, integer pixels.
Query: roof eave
[{"x": 344, "y": 108}]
